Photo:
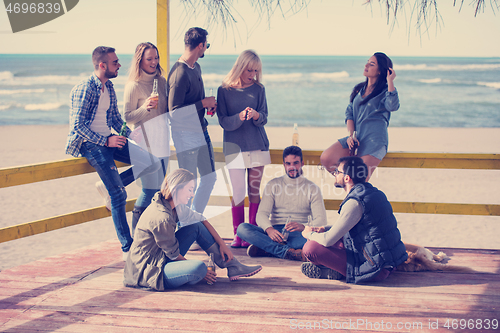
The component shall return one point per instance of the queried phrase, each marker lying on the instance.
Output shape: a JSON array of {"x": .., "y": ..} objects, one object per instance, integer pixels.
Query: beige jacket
[{"x": 155, "y": 243}]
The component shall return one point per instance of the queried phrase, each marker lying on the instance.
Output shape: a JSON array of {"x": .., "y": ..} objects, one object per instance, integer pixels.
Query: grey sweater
[
  {"x": 242, "y": 135},
  {"x": 185, "y": 87}
]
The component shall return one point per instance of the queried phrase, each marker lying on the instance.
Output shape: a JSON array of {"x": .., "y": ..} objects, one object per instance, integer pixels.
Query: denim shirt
[
  {"x": 372, "y": 119},
  {"x": 84, "y": 102}
]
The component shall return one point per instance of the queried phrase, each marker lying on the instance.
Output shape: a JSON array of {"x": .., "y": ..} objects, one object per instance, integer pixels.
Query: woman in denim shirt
[{"x": 368, "y": 113}]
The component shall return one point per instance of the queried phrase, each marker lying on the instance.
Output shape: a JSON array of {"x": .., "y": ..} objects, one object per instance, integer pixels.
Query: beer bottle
[
  {"x": 123, "y": 132},
  {"x": 353, "y": 150},
  {"x": 295, "y": 135},
  {"x": 154, "y": 93},
  {"x": 285, "y": 232},
  {"x": 211, "y": 265}
]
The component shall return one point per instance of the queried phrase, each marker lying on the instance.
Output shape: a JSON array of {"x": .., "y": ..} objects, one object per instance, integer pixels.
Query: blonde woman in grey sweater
[
  {"x": 148, "y": 117},
  {"x": 242, "y": 112}
]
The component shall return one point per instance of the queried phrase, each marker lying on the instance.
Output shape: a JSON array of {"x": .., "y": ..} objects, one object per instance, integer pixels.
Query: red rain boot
[
  {"x": 238, "y": 213},
  {"x": 252, "y": 213}
]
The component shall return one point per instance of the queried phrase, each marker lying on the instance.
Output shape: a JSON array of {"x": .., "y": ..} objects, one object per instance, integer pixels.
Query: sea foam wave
[
  {"x": 8, "y": 79},
  {"x": 6, "y": 76},
  {"x": 436, "y": 80},
  {"x": 43, "y": 106},
  {"x": 495, "y": 85},
  {"x": 23, "y": 91},
  {"x": 211, "y": 79},
  {"x": 442, "y": 67},
  {"x": 330, "y": 76},
  {"x": 6, "y": 107}
]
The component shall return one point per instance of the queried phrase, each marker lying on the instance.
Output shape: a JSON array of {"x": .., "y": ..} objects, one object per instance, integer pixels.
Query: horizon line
[{"x": 277, "y": 55}]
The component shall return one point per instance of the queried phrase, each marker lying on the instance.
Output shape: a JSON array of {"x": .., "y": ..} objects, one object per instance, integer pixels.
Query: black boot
[
  {"x": 235, "y": 269},
  {"x": 136, "y": 214}
]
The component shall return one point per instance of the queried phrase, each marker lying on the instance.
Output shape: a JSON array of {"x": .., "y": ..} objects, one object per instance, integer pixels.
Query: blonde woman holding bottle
[
  {"x": 242, "y": 112},
  {"x": 148, "y": 116}
]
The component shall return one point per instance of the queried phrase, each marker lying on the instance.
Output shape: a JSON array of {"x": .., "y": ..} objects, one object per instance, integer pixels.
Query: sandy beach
[{"x": 22, "y": 145}]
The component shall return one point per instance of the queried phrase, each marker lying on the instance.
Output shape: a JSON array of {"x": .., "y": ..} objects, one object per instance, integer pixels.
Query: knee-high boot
[
  {"x": 136, "y": 214},
  {"x": 238, "y": 213},
  {"x": 252, "y": 213},
  {"x": 235, "y": 269}
]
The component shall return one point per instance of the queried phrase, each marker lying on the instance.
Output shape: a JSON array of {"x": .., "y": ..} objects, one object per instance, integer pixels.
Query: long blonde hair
[
  {"x": 248, "y": 59},
  {"x": 135, "y": 66},
  {"x": 175, "y": 181}
]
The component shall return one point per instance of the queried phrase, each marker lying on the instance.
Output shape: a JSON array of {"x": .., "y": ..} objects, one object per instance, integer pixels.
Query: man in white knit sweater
[{"x": 291, "y": 198}]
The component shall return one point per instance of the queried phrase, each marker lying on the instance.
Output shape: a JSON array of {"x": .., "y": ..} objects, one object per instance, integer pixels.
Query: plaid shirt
[{"x": 84, "y": 101}]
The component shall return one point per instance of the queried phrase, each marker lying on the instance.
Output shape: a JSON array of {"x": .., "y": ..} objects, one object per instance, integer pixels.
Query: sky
[{"x": 324, "y": 28}]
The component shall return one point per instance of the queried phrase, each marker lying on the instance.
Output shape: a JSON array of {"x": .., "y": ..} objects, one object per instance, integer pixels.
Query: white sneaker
[
  {"x": 104, "y": 194},
  {"x": 195, "y": 247},
  {"x": 125, "y": 255}
]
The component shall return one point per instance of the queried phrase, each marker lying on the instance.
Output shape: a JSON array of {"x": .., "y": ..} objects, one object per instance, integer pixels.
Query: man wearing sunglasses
[
  {"x": 364, "y": 244},
  {"x": 187, "y": 105}
]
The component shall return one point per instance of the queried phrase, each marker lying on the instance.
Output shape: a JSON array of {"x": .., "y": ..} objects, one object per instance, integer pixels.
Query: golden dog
[{"x": 422, "y": 259}]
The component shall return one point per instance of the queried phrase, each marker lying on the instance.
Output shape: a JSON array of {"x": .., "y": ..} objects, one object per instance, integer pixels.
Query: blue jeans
[
  {"x": 255, "y": 235},
  {"x": 195, "y": 153},
  {"x": 177, "y": 273},
  {"x": 103, "y": 160},
  {"x": 151, "y": 184}
]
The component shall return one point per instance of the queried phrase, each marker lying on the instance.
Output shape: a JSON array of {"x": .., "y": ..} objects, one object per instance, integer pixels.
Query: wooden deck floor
[{"x": 82, "y": 291}]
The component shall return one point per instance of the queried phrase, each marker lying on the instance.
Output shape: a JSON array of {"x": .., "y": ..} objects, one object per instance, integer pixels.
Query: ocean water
[{"x": 307, "y": 90}]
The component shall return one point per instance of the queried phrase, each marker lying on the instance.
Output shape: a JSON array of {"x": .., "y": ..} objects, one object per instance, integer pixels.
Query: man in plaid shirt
[{"x": 93, "y": 113}]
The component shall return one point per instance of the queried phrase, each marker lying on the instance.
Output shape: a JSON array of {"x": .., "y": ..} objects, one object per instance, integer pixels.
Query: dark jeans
[{"x": 103, "y": 160}]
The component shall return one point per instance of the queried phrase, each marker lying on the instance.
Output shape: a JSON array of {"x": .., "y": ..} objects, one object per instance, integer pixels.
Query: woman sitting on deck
[{"x": 156, "y": 258}]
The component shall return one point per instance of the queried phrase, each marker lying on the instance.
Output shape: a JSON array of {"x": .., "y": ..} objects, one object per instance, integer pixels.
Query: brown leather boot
[
  {"x": 254, "y": 251},
  {"x": 295, "y": 254}
]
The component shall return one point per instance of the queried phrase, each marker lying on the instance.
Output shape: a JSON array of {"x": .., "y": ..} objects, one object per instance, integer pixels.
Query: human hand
[
  {"x": 391, "y": 75},
  {"x": 136, "y": 135},
  {"x": 275, "y": 235},
  {"x": 252, "y": 114},
  {"x": 116, "y": 141},
  {"x": 210, "y": 277},
  {"x": 243, "y": 115},
  {"x": 318, "y": 229},
  {"x": 350, "y": 142},
  {"x": 211, "y": 111},
  {"x": 225, "y": 252},
  {"x": 209, "y": 102},
  {"x": 151, "y": 103},
  {"x": 307, "y": 230},
  {"x": 294, "y": 226}
]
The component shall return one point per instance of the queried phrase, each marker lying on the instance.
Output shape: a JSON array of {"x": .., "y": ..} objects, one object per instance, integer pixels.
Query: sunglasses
[{"x": 337, "y": 171}]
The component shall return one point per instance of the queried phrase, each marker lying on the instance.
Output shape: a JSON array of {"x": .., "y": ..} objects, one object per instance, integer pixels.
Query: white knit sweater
[
  {"x": 297, "y": 198},
  {"x": 154, "y": 123}
]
